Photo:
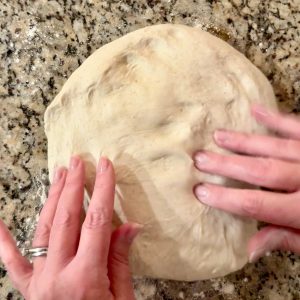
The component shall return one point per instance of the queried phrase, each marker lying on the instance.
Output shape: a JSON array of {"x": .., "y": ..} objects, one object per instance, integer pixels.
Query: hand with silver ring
[{"x": 70, "y": 260}]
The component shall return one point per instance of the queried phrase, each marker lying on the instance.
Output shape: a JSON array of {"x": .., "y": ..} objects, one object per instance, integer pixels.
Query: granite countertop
[{"x": 43, "y": 42}]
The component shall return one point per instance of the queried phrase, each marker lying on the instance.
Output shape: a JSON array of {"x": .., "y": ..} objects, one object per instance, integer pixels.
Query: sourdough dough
[{"x": 148, "y": 101}]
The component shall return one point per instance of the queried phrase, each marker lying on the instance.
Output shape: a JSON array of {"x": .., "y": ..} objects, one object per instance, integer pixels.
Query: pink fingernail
[
  {"x": 58, "y": 174},
  {"x": 260, "y": 111},
  {"x": 202, "y": 194},
  {"x": 133, "y": 231},
  {"x": 256, "y": 255},
  {"x": 222, "y": 136},
  {"x": 103, "y": 164},
  {"x": 74, "y": 162},
  {"x": 201, "y": 158}
]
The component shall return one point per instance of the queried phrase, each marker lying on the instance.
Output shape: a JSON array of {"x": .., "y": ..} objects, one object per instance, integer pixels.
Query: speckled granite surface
[{"x": 43, "y": 42}]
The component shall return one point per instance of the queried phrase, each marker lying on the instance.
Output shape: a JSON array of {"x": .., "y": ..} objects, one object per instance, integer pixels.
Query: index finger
[{"x": 97, "y": 226}]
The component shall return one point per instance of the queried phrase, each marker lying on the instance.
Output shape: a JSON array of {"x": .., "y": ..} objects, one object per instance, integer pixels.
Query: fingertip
[
  {"x": 202, "y": 193},
  {"x": 216, "y": 136},
  {"x": 75, "y": 162},
  {"x": 258, "y": 111},
  {"x": 257, "y": 254},
  {"x": 264, "y": 241},
  {"x": 134, "y": 230},
  {"x": 201, "y": 157},
  {"x": 76, "y": 170},
  {"x": 105, "y": 177},
  {"x": 103, "y": 164},
  {"x": 256, "y": 105},
  {"x": 59, "y": 174},
  {"x": 262, "y": 113},
  {"x": 255, "y": 248},
  {"x": 222, "y": 137},
  {"x": 128, "y": 232},
  {"x": 105, "y": 167}
]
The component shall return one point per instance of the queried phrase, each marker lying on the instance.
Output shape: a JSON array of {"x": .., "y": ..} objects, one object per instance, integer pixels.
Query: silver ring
[{"x": 36, "y": 252}]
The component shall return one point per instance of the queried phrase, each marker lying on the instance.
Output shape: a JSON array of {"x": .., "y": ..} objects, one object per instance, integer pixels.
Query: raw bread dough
[{"x": 148, "y": 101}]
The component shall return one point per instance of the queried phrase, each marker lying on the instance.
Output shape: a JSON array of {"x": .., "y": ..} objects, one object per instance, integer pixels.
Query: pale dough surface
[{"x": 148, "y": 101}]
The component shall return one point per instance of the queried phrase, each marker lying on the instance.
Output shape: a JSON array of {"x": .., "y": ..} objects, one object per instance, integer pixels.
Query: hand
[
  {"x": 266, "y": 161},
  {"x": 83, "y": 262}
]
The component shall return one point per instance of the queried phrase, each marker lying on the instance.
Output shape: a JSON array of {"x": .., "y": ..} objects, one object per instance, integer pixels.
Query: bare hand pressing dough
[{"x": 148, "y": 101}]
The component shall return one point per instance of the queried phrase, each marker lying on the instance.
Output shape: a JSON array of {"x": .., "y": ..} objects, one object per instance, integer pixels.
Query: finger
[
  {"x": 65, "y": 230},
  {"x": 42, "y": 233},
  {"x": 18, "y": 267},
  {"x": 258, "y": 145},
  {"x": 118, "y": 265},
  {"x": 288, "y": 126},
  {"x": 96, "y": 229},
  {"x": 273, "y": 238},
  {"x": 275, "y": 208},
  {"x": 266, "y": 172}
]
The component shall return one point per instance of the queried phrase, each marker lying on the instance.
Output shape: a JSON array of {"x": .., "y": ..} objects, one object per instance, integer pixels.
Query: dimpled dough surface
[{"x": 148, "y": 101}]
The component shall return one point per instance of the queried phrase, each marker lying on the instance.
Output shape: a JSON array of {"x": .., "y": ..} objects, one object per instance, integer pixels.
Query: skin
[
  {"x": 268, "y": 161},
  {"x": 93, "y": 263}
]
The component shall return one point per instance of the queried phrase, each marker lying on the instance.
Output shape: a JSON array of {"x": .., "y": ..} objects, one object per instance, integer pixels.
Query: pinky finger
[
  {"x": 286, "y": 125},
  {"x": 18, "y": 267},
  {"x": 273, "y": 238}
]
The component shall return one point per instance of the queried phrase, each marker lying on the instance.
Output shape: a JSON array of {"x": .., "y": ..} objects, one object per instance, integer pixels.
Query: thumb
[
  {"x": 118, "y": 267},
  {"x": 273, "y": 238}
]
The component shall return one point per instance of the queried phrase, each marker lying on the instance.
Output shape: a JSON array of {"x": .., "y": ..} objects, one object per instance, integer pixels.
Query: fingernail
[
  {"x": 202, "y": 194},
  {"x": 260, "y": 111},
  {"x": 256, "y": 255},
  {"x": 58, "y": 173},
  {"x": 133, "y": 231},
  {"x": 201, "y": 158},
  {"x": 74, "y": 162},
  {"x": 103, "y": 164},
  {"x": 222, "y": 136}
]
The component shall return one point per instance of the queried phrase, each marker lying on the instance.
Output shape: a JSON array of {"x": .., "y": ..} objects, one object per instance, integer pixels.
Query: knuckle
[
  {"x": 118, "y": 258},
  {"x": 97, "y": 218},
  {"x": 101, "y": 184},
  {"x": 73, "y": 184},
  {"x": 260, "y": 173},
  {"x": 63, "y": 219},
  {"x": 251, "y": 206}
]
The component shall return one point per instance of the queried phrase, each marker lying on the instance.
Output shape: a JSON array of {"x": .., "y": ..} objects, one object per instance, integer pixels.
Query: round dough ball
[{"x": 148, "y": 101}]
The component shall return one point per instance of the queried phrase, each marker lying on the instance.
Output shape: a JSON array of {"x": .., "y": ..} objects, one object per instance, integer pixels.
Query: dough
[{"x": 148, "y": 101}]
